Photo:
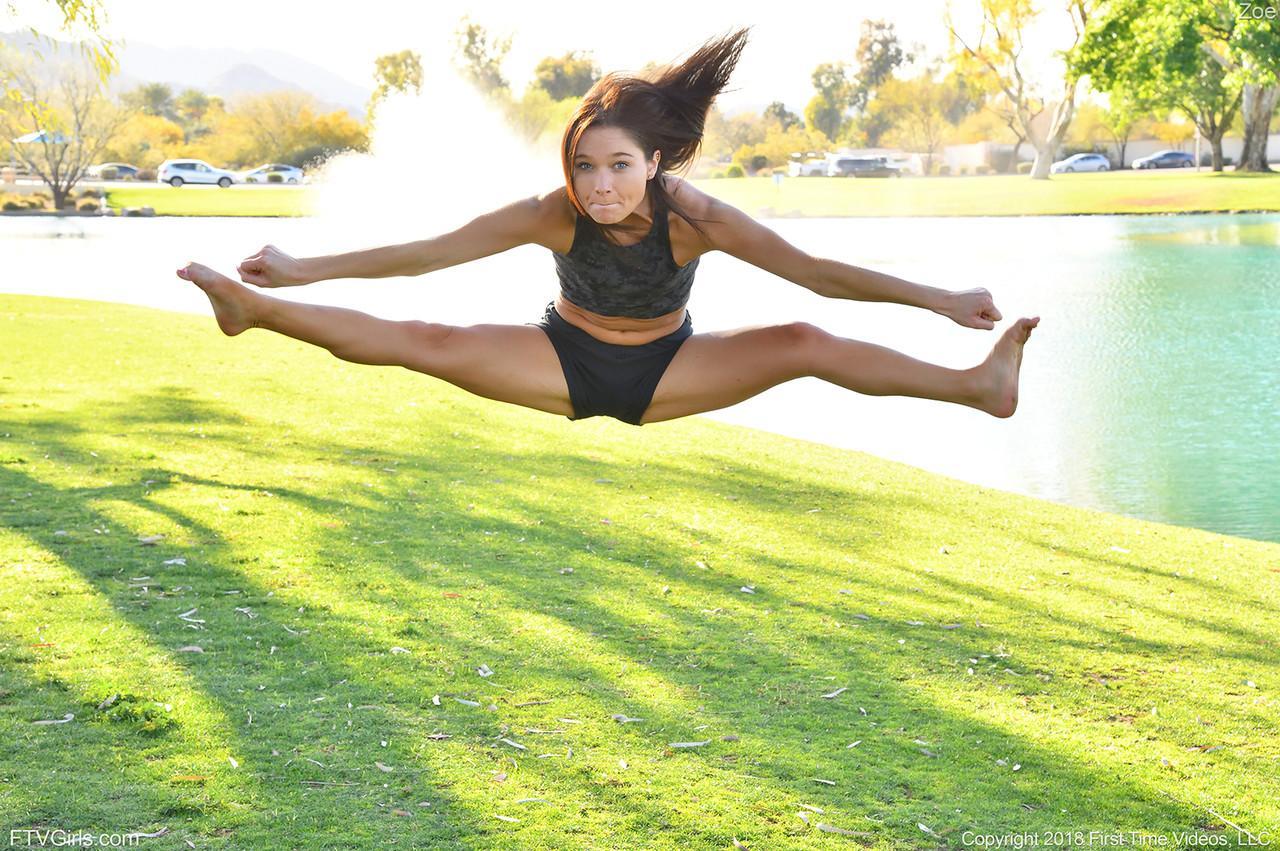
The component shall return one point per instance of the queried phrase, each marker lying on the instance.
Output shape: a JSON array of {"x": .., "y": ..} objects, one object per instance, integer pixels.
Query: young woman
[{"x": 626, "y": 235}]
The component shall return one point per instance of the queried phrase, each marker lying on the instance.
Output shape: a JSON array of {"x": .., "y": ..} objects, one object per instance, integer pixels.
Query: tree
[
  {"x": 480, "y": 56},
  {"x": 100, "y": 54},
  {"x": 192, "y": 105},
  {"x": 778, "y": 146},
  {"x": 152, "y": 99},
  {"x": 778, "y": 113},
  {"x": 826, "y": 110},
  {"x": 879, "y": 54},
  {"x": 1252, "y": 55},
  {"x": 1119, "y": 120},
  {"x": 537, "y": 116},
  {"x": 722, "y": 135},
  {"x": 144, "y": 140},
  {"x": 66, "y": 126},
  {"x": 568, "y": 76},
  {"x": 271, "y": 121},
  {"x": 1155, "y": 56},
  {"x": 917, "y": 111},
  {"x": 319, "y": 137},
  {"x": 1173, "y": 133},
  {"x": 995, "y": 57},
  {"x": 284, "y": 127},
  {"x": 394, "y": 72}
]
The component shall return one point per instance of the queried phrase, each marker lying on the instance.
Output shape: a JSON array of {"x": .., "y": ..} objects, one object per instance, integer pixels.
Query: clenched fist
[{"x": 271, "y": 267}]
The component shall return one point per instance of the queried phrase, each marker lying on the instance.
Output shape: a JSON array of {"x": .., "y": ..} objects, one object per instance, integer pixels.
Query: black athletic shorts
[{"x": 605, "y": 379}]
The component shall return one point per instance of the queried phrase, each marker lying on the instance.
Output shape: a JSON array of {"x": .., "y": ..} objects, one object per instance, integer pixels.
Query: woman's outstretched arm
[
  {"x": 515, "y": 224},
  {"x": 736, "y": 233}
]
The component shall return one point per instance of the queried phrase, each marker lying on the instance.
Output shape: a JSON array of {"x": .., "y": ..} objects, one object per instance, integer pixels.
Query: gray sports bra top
[{"x": 640, "y": 281}]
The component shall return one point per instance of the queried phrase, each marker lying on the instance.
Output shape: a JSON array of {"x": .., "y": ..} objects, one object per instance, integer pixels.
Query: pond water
[{"x": 1149, "y": 389}]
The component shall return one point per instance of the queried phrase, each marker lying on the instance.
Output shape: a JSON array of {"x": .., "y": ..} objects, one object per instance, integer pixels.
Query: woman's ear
[{"x": 653, "y": 166}]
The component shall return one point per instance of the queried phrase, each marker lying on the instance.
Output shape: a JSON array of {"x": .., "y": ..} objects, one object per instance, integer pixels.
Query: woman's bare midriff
[
  {"x": 626, "y": 330},
  {"x": 619, "y": 330}
]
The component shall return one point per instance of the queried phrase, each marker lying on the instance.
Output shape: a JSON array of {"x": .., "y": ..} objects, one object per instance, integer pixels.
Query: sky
[{"x": 777, "y": 64}]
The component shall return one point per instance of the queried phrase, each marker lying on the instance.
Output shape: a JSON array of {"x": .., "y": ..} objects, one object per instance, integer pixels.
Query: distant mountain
[
  {"x": 225, "y": 72},
  {"x": 246, "y": 79}
]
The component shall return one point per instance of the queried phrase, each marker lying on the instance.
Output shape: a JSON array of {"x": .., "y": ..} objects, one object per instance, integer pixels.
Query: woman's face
[{"x": 610, "y": 173}]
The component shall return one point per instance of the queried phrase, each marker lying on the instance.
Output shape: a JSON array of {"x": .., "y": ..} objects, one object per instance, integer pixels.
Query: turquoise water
[
  {"x": 1182, "y": 372},
  {"x": 1150, "y": 388}
]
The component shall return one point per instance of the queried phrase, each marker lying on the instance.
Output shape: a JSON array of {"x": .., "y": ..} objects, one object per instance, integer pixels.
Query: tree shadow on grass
[{"x": 339, "y": 639}]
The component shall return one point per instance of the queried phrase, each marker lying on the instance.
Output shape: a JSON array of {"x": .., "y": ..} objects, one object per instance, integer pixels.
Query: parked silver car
[
  {"x": 262, "y": 174},
  {"x": 1081, "y": 162},
  {"x": 178, "y": 172}
]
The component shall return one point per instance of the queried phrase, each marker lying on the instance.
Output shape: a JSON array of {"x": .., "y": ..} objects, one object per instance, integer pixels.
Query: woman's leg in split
[
  {"x": 507, "y": 363},
  {"x": 348, "y": 334},
  {"x": 722, "y": 368}
]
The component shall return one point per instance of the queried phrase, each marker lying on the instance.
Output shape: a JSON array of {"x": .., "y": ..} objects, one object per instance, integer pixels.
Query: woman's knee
[
  {"x": 805, "y": 341},
  {"x": 427, "y": 334}
]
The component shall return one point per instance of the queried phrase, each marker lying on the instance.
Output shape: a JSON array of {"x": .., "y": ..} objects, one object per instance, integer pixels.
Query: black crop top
[{"x": 640, "y": 281}]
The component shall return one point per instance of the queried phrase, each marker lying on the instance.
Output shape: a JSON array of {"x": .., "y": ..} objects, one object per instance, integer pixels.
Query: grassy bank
[
  {"x": 1003, "y": 195},
  {"x": 996, "y": 195},
  {"x": 214, "y": 200},
  {"x": 250, "y": 570}
]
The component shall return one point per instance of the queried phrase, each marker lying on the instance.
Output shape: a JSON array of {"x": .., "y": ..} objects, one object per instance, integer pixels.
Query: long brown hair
[{"x": 664, "y": 110}]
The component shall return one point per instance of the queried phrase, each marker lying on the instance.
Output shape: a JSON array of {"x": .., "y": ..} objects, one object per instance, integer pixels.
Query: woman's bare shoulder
[
  {"x": 694, "y": 201},
  {"x": 557, "y": 218}
]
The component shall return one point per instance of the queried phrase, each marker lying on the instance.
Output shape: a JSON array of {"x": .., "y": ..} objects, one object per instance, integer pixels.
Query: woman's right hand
[{"x": 271, "y": 267}]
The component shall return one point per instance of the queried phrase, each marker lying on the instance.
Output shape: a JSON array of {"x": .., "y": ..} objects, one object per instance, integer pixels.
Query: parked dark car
[
  {"x": 1166, "y": 159},
  {"x": 863, "y": 167},
  {"x": 112, "y": 171}
]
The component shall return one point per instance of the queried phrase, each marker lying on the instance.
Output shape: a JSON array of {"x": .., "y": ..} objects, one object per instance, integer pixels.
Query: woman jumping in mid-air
[{"x": 626, "y": 236}]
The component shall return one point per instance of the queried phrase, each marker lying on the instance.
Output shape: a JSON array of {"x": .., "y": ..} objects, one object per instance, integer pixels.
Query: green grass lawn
[
  {"x": 334, "y": 546},
  {"x": 996, "y": 195},
  {"x": 1003, "y": 195},
  {"x": 214, "y": 200}
]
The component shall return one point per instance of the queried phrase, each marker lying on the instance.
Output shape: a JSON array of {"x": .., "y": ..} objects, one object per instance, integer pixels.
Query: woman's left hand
[{"x": 971, "y": 308}]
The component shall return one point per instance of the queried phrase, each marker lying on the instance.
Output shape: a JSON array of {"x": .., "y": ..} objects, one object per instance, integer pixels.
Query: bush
[
  {"x": 944, "y": 170},
  {"x": 88, "y": 206},
  {"x": 764, "y": 172},
  {"x": 1024, "y": 168},
  {"x": 735, "y": 170},
  {"x": 145, "y": 174},
  {"x": 17, "y": 203},
  {"x": 717, "y": 175},
  {"x": 91, "y": 193},
  {"x": 110, "y": 173},
  {"x": 983, "y": 170},
  {"x": 275, "y": 177}
]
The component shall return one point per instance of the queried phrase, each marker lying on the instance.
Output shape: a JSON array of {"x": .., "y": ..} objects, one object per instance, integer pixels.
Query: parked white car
[
  {"x": 178, "y": 172},
  {"x": 262, "y": 174},
  {"x": 1081, "y": 162},
  {"x": 808, "y": 168}
]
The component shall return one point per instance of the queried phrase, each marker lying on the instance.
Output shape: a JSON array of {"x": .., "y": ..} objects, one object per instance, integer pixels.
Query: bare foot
[
  {"x": 233, "y": 304},
  {"x": 998, "y": 374}
]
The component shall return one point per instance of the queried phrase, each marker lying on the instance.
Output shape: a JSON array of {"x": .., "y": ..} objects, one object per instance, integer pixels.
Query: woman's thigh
[
  {"x": 508, "y": 363},
  {"x": 722, "y": 368}
]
